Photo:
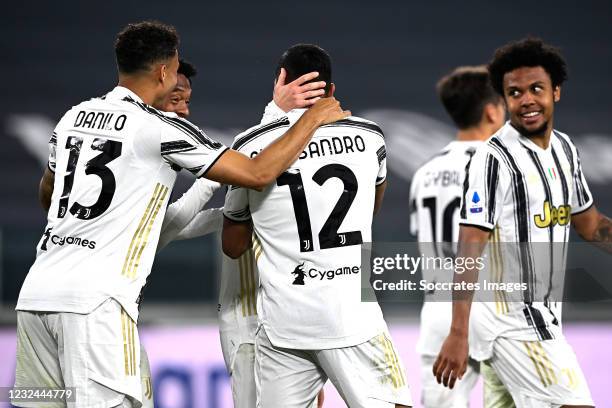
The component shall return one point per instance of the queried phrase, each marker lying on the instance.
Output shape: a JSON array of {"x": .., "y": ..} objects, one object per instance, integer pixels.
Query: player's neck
[
  {"x": 473, "y": 134},
  {"x": 140, "y": 87}
]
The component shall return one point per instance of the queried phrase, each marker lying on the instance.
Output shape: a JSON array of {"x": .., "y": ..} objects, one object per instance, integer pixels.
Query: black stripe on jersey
[
  {"x": 581, "y": 193},
  {"x": 466, "y": 184},
  {"x": 568, "y": 151},
  {"x": 564, "y": 181},
  {"x": 372, "y": 127},
  {"x": 565, "y": 188},
  {"x": 268, "y": 127},
  {"x": 210, "y": 166},
  {"x": 536, "y": 320},
  {"x": 180, "y": 124},
  {"x": 381, "y": 154},
  {"x": 521, "y": 215},
  {"x": 53, "y": 139},
  {"x": 492, "y": 179},
  {"x": 583, "y": 197},
  {"x": 538, "y": 164},
  {"x": 195, "y": 170},
  {"x": 176, "y": 146}
]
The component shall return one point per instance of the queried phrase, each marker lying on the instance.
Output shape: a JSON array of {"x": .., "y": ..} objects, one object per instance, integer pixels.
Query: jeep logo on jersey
[
  {"x": 476, "y": 207},
  {"x": 299, "y": 274},
  {"x": 552, "y": 215}
]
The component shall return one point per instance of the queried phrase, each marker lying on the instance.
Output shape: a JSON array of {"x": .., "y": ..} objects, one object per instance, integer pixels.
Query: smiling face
[
  {"x": 530, "y": 98},
  {"x": 178, "y": 100}
]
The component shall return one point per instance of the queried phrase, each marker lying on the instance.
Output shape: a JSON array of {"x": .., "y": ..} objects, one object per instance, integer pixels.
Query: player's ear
[
  {"x": 490, "y": 113},
  {"x": 557, "y": 93},
  {"x": 162, "y": 72},
  {"x": 332, "y": 89}
]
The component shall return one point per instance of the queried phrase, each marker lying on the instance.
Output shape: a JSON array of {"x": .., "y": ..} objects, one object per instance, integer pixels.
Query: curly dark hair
[
  {"x": 528, "y": 52},
  {"x": 139, "y": 45},
  {"x": 464, "y": 94},
  {"x": 188, "y": 69}
]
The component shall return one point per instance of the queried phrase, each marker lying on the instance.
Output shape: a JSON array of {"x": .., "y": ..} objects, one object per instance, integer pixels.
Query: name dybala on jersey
[
  {"x": 115, "y": 161},
  {"x": 309, "y": 226},
  {"x": 435, "y": 198},
  {"x": 523, "y": 194}
]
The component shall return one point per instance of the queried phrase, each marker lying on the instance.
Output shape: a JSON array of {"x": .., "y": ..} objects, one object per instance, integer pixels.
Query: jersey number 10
[{"x": 328, "y": 236}]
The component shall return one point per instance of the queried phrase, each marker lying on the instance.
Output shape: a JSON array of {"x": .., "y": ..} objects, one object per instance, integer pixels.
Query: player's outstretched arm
[
  {"x": 183, "y": 212},
  {"x": 238, "y": 170},
  {"x": 236, "y": 237},
  {"x": 452, "y": 360},
  {"x": 45, "y": 189},
  {"x": 594, "y": 227}
]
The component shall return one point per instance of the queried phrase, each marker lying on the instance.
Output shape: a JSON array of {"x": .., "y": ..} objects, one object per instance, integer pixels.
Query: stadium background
[{"x": 387, "y": 57}]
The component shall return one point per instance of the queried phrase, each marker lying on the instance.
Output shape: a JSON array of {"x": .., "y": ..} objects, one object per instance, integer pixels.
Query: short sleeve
[
  {"x": 236, "y": 206},
  {"x": 185, "y": 145},
  {"x": 581, "y": 199},
  {"x": 381, "y": 154},
  {"x": 484, "y": 190},
  {"x": 52, "y": 152}
]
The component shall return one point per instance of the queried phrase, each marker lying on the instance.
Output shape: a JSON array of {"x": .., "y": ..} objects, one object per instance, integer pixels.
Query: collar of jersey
[
  {"x": 528, "y": 143},
  {"x": 295, "y": 114}
]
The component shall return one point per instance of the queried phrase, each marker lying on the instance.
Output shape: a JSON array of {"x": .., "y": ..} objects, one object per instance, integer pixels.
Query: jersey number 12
[{"x": 328, "y": 236}]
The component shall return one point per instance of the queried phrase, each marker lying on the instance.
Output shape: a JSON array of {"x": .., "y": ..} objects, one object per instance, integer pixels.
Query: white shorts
[
  {"x": 366, "y": 375},
  {"x": 495, "y": 393},
  {"x": 243, "y": 377},
  {"x": 96, "y": 353},
  {"x": 436, "y": 395},
  {"x": 540, "y": 374},
  {"x": 145, "y": 379}
]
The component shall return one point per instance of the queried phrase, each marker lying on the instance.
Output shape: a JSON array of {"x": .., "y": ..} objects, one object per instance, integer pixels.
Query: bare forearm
[
  {"x": 602, "y": 236},
  {"x": 45, "y": 189},
  {"x": 471, "y": 245},
  {"x": 278, "y": 156},
  {"x": 594, "y": 227}
]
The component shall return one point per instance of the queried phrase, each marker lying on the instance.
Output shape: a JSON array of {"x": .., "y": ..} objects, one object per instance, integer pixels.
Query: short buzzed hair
[
  {"x": 301, "y": 59},
  {"x": 465, "y": 92},
  {"x": 188, "y": 69},
  {"x": 139, "y": 45}
]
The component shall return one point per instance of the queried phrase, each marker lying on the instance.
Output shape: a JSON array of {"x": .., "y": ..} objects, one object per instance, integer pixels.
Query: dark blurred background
[{"x": 387, "y": 57}]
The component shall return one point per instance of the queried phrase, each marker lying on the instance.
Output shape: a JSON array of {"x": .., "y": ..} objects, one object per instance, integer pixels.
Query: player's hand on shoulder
[
  {"x": 326, "y": 110},
  {"x": 452, "y": 360},
  {"x": 297, "y": 94}
]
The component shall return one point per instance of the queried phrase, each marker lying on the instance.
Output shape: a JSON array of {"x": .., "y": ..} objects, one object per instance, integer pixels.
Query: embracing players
[
  {"x": 112, "y": 165},
  {"x": 514, "y": 183},
  {"x": 239, "y": 279},
  {"x": 308, "y": 227}
]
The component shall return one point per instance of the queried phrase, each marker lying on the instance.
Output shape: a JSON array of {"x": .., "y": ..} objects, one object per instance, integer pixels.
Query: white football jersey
[
  {"x": 115, "y": 162},
  {"x": 435, "y": 198},
  {"x": 523, "y": 194},
  {"x": 309, "y": 225}
]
